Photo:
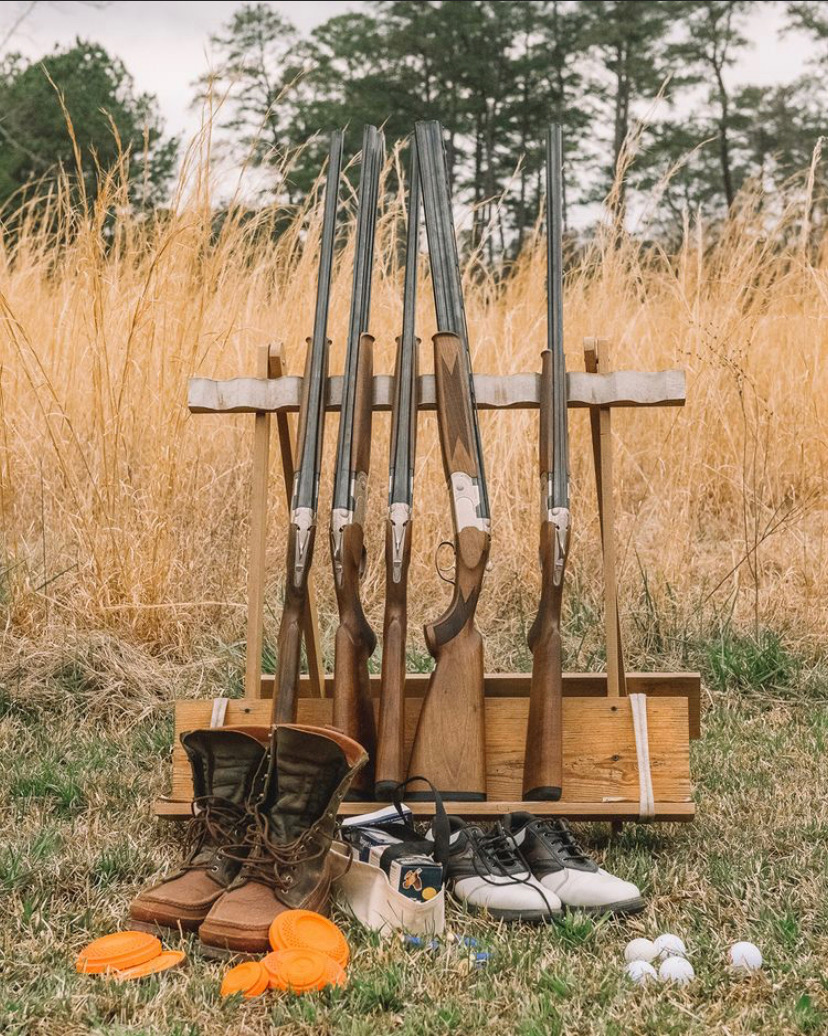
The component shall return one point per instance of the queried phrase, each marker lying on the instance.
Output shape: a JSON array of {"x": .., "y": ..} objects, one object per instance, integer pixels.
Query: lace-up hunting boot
[
  {"x": 285, "y": 860},
  {"x": 559, "y": 863},
  {"x": 488, "y": 875},
  {"x": 227, "y": 768}
]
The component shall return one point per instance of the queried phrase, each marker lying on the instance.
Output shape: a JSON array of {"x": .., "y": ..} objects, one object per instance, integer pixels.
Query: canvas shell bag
[{"x": 365, "y": 892}]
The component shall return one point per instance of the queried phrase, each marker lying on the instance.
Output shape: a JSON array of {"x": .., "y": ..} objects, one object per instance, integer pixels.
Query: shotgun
[
  {"x": 305, "y": 497},
  {"x": 449, "y": 744},
  {"x": 543, "y": 761},
  {"x": 355, "y": 640},
  {"x": 390, "y": 767}
]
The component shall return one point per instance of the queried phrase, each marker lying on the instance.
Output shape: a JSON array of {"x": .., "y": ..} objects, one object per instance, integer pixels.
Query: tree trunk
[{"x": 724, "y": 140}]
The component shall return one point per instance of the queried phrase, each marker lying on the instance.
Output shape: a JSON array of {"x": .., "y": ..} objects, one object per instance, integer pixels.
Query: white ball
[
  {"x": 744, "y": 956},
  {"x": 640, "y": 972},
  {"x": 640, "y": 949},
  {"x": 678, "y": 970},
  {"x": 668, "y": 945}
]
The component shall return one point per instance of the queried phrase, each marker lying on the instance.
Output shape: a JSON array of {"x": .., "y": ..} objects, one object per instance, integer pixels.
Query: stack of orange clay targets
[
  {"x": 309, "y": 953},
  {"x": 127, "y": 955}
]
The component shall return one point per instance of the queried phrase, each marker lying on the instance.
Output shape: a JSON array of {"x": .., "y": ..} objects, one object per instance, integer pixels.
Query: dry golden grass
[{"x": 119, "y": 511}]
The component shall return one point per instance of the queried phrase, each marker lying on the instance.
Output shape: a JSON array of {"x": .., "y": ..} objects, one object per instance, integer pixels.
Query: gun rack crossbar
[{"x": 602, "y": 750}]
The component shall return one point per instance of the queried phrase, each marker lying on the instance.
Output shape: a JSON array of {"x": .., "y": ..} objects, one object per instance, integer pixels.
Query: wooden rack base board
[{"x": 600, "y": 768}]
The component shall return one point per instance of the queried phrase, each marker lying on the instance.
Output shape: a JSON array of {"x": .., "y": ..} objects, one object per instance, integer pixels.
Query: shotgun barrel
[
  {"x": 449, "y": 744},
  {"x": 355, "y": 640},
  {"x": 390, "y": 767},
  {"x": 543, "y": 760},
  {"x": 305, "y": 495}
]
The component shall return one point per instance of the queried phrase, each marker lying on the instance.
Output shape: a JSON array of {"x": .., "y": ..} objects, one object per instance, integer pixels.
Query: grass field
[{"x": 122, "y": 581}]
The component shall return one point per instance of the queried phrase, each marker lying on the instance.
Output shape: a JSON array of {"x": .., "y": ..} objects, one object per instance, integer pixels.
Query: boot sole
[
  {"x": 223, "y": 953},
  {"x": 158, "y": 928}
]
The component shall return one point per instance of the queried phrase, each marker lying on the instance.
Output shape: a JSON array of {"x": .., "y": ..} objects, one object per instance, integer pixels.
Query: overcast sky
[{"x": 165, "y": 45}]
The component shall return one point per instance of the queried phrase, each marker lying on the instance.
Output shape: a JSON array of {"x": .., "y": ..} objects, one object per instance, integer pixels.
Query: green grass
[{"x": 79, "y": 840}]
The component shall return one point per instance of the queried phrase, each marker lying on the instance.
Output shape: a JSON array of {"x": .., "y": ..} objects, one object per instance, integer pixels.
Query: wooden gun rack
[{"x": 602, "y": 776}]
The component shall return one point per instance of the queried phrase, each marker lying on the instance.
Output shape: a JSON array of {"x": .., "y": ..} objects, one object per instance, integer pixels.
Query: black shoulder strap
[{"x": 440, "y": 825}]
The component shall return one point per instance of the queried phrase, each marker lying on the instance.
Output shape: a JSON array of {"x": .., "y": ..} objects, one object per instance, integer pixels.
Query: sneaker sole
[
  {"x": 619, "y": 909},
  {"x": 527, "y": 916}
]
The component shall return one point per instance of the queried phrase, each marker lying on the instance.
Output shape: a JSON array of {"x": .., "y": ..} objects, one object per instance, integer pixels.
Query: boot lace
[
  {"x": 270, "y": 862},
  {"x": 214, "y": 821}
]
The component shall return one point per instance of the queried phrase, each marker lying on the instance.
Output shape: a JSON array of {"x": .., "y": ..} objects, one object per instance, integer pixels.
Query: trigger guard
[{"x": 440, "y": 571}]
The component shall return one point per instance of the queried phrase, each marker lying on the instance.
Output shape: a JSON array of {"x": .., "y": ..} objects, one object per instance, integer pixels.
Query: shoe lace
[
  {"x": 214, "y": 820},
  {"x": 268, "y": 861},
  {"x": 496, "y": 852},
  {"x": 562, "y": 841}
]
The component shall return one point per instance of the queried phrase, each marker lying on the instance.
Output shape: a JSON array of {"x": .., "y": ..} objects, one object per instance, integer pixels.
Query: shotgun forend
[
  {"x": 355, "y": 640},
  {"x": 390, "y": 765},
  {"x": 449, "y": 745},
  {"x": 305, "y": 496},
  {"x": 543, "y": 760}
]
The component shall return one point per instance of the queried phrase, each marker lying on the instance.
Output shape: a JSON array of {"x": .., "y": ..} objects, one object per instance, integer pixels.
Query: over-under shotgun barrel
[
  {"x": 305, "y": 496},
  {"x": 449, "y": 745},
  {"x": 543, "y": 761},
  {"x": 355, "y": 640},
  {"x": 390, "y": 766}
]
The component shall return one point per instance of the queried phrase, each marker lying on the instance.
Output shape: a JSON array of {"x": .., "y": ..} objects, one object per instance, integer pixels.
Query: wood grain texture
[
  {"x": 391, "y": 754},
  {"x": 516, "y": 685},
  {"x": 454, "y": 406},
  {"x": 450, "y": 744},
  {"x": 290, "y": 636},
  {"x": 599, "y": 760},
  {"x": 257, "y": 543},
  {"x": 492, "y": 392},
  {"x": 597, "y": 361},
  {"x": 361, "y": 449},
  {"x": 354, "y": 644},
  {"x": 543, "y": 758}
]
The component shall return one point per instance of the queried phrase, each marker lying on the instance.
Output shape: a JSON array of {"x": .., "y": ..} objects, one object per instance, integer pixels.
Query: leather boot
[
  {"x": 228, "y": 769},
  {"x": 286, "y": 863}
]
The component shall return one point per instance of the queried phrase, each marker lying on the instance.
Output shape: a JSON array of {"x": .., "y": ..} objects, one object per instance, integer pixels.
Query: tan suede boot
[
  {"x": 228, "y": 766},
  {"x": 286, "y": 862}
]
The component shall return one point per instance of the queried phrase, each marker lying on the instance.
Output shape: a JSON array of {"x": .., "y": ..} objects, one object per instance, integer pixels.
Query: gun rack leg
[
  {"x": 266, "y": 362},
  {"x": 597, "y": 361},
  {"x": 310, "y": 626}
]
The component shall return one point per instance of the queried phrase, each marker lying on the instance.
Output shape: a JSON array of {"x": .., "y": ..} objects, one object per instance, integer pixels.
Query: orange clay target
[
  {"x": 163, "y": 962},
  {"x": 250, "y": 979},
  {"x": 117, "y": 952},
  {"x": 306, "y": 930},
  {"x": 301, "y": 971}
]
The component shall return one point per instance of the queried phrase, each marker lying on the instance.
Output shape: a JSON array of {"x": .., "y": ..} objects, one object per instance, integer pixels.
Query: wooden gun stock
[
  {"x": 543, "y": 762},
  {"x": 449, "y": 746},
  {"x": 390, "y": 764},
  {"x": 290, "y": 635},
  {"x": 543, "y": 759},
  {"x": 355, "y": 640}
]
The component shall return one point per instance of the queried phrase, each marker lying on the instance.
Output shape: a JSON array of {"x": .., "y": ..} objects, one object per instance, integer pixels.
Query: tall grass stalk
[{"x": 120, "y": 511}]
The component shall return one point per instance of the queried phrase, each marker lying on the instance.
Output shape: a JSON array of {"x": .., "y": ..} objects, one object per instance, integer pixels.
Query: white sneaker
[
  {"x": 563, "y": 868},
  {"x": 488, "y": 874}
]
